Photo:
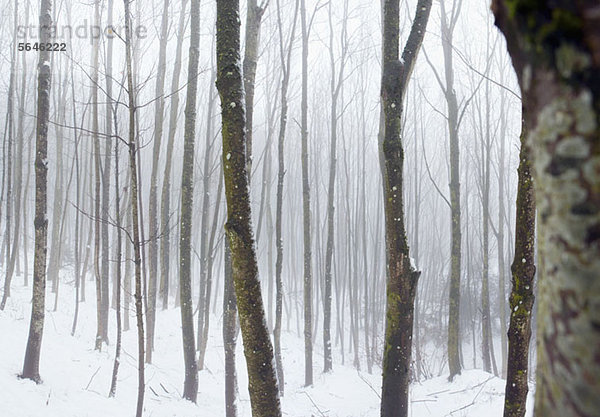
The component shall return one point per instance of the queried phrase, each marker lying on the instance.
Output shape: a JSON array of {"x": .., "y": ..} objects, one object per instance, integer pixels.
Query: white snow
[{"x": 76, "y": 379}]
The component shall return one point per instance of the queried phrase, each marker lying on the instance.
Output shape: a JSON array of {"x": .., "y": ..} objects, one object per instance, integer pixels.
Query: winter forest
[{"x": 309, "y": 208}]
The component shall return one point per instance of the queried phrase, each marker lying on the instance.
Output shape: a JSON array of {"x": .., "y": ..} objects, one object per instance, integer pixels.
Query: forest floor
[{"x": 76, "y": 378}]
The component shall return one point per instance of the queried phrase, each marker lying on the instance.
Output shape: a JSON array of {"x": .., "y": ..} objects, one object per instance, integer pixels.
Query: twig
[
  {"x": 92, "y": 378},
  {"x": 316, "y": 406},
  {"x": 369, "y": 384},
  {"x": 474, "y": 398}
]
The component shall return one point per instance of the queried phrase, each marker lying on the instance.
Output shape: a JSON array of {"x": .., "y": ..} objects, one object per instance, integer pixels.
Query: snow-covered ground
[{"x": 76, "y": 379}]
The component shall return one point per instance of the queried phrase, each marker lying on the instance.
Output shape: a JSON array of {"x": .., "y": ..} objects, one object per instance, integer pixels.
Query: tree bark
[
  {"x": 402, "y": 277},
  {"x": 555, "y": 49},
  {"x": 522, "y": 295},
  {"x": 31, "y": 366},
  {"x": 257, "y": 345}
]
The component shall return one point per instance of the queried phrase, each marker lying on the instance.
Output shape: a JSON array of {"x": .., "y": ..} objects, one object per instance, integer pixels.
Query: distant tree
[
  {"x": 153, "y": 235},
  {"x": 555, "y": 50},
  {"x": 165, "y": 210}
]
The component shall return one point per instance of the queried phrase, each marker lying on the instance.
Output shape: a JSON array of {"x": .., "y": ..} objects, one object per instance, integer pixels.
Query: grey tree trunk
[
  {"x": 254, "y": 15},
  {"x": 104, "y": 214},
  {"x": 204, "y": 297},
  {"x": 31, "y": 365},
  {"x": 229, "y": 334},
  {"x": 134, "y": 211},
  {"x": 102, "y": 321},
  {"x": 306, "y": 225},
  {"x": 165, "y": 212},
  {"x": 154, "y": 234},
  {"x": 10, "y": 256},
  {"x": 448, "y": 25},
  {"x": 402, "y": 277},
  {"x": 285, "y": 52},
  {"x": 335, "y": 87},
  {"x": 113, "y": 384},
  {"x": 190, "y": 386}
]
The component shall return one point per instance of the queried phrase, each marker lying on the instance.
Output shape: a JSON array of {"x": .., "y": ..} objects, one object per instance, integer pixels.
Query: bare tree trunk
[
  {"x": 402, "y": 277},
  {"x": 557, "y": 61},
  {"x": 31, "y": 366},
  {"x": 190, "y": 387},
  {"x": 134, "y": 211},
  {"x": 254, "y": 15},
  {"x": 335, "y": 87},
  {"x": 306, "y": 225},
  {"x": 486, "y": 327},
  {"x": 153, "y": 235},
  {"x": 522, "y": 295},
  {"x": 286, "y": 56},
  {"x": 257, "y": 346},
  {"x": 229, "y": 335},
  {"x": 102, "y": 324},
  {"x": 203, "y": 298},
  {"x": 455, "y": 252},
  {"x": 113, "y": 384},
  {"x": 105, "y": 269},
  {"x": 10, "y": 261},
  {"x": 165, "y": 213},
  {"x": 500, "y": 240},
  {"x": 79, "y": 273},
  {"x": 209, "y": 270}
]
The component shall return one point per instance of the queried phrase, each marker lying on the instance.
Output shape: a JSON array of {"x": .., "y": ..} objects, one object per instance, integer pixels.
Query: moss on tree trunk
[
  {"x": 555, "y": 49},
  {"x": 258, "y": 350}
]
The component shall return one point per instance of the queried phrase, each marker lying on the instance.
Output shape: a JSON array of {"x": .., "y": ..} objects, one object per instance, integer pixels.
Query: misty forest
[{"x": 309, "y": 208}]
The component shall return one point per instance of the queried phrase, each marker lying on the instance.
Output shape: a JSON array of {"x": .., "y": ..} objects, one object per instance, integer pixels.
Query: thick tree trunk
[
  {"x": 31, "y": 366},
  {"x": 257, "y": 345},
  {"x": 555, "y": 49},
  {"x": 402, "y": 277}
]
